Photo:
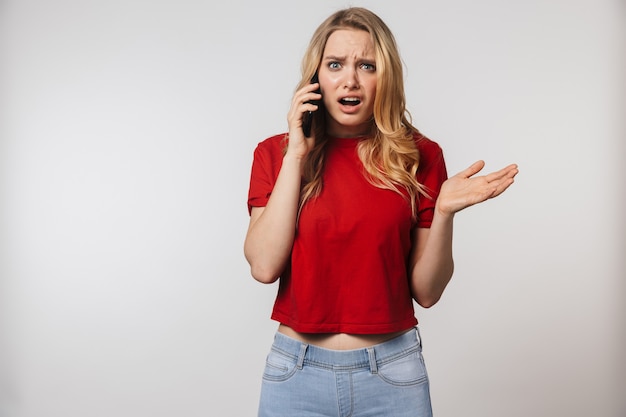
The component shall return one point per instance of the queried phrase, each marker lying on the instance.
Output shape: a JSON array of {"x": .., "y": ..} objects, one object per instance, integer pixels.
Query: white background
[{"x": 127, "y": 130}]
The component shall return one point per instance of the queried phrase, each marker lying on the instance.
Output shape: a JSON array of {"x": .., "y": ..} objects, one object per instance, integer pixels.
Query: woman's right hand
[
  {"x": 272, "y": 228},
  {"x": 299, "y": 145}
]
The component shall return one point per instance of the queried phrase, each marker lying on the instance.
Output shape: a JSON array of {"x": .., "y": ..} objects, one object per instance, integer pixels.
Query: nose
[{"x": 351, "y": 81}]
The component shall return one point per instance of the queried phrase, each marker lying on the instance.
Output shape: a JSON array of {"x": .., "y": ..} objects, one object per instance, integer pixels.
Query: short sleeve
[
  {"x": 431, "y": 173},
  {"x": 266, "y": 165}
]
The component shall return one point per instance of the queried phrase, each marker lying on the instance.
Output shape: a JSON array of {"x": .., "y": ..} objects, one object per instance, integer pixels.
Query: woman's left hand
[{"x": 464, "y": 190}]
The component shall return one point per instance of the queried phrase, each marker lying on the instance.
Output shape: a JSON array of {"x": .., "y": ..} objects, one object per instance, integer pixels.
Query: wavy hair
[{"x": 388, "y": 154}]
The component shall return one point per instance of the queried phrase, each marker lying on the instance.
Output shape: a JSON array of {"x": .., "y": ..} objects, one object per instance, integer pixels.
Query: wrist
[
  {"x": 443, "y": 214},
  {"x": 293, "y": 163},
  {"x": 294, "y": 159}
]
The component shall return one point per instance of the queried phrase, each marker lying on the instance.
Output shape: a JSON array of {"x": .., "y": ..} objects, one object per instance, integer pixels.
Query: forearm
[
  {"x": 431, "y": 259},
  {"x": 270, "y": 235},
  {"x": 433, "y": 269}
]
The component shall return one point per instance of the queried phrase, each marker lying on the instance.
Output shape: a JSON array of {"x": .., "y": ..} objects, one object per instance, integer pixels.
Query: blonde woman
[{"x": 355, "y": 222}]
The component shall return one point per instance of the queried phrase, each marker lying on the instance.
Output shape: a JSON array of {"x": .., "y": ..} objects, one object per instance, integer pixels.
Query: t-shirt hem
[{"x": 351, "y": 328}]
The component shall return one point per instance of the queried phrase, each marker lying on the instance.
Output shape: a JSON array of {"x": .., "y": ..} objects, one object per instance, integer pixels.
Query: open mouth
[{"x": 350, "y": 101}]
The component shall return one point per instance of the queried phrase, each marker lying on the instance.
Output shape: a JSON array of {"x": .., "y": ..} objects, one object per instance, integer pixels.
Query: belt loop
[
  {"x": 301, "y": 354},
  {"x": 372, "y": 357},
  {"x": 419, "y": 337}
]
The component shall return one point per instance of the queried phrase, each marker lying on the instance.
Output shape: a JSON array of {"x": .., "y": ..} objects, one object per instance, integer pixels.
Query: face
[{"x": 347, "y": 77}]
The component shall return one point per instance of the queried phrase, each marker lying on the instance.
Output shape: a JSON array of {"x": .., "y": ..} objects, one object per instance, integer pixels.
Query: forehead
[{"x": 349, "y": 43}]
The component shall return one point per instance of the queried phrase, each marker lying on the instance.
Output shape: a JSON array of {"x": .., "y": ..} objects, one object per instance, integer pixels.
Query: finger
[
  {"x": 502, "y": 186},
  {"x": 299, "y": 107},
  {"x": 304, "y": 102},
  {"x": 307, "y": 93},
  {"x": 472, "y": 169},
  {"x": 491, "y": 189},
  {"x": 312, "y": 87},
  {"x": 506, "y": 172}
]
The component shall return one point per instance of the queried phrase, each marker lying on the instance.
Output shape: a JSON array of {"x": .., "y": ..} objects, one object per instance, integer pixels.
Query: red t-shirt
[{"x": 348, "y": 269}]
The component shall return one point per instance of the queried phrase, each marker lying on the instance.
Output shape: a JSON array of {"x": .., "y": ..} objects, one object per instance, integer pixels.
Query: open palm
[{"x": 464, "y": 189}]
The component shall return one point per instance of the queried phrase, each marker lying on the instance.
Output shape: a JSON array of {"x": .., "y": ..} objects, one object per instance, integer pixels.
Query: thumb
[{"x": 472, "y": 169}]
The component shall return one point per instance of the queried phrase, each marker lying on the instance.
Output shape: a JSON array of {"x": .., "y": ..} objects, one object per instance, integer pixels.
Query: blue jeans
[{"x": 388, "y": 379}]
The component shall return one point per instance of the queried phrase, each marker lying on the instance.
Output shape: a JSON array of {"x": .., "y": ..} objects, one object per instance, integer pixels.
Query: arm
[
  {"x": 431, "y": 259},
  {"x": 272, "y": 228},
  {"x": 271, "y": 231}
]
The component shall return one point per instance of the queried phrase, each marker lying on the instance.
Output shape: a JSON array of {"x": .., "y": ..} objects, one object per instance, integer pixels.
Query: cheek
[
  {"x": 369, "y": 88},
  {"x": 371, "y": 94},
  {"x": 326, "y": 100},
  {"x": 372, "y": 90}
]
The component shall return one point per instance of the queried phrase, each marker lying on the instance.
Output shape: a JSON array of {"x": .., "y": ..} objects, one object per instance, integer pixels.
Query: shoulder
[
  {"x": 270, "y": 150},
  {"x": 273, "y": 143},
  {"x": 428, "y": 149}
]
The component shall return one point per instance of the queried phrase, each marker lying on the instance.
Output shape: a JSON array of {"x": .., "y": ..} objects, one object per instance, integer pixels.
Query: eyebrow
[
  {"x": 334, "y": 58},
  {"x": 343, "y": 58}
]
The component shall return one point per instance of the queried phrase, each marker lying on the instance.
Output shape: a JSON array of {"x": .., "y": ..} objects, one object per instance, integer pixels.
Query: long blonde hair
[{"x": 388, "y": 154}]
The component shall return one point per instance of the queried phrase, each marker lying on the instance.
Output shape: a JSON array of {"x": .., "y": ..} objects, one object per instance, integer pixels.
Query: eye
[
  {"x": 334, "y": 65},
  {"x": 368, "y": 66}
]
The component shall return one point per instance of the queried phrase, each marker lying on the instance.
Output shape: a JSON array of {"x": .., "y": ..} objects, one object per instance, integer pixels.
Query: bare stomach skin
[{"x": 339, "y": 341}]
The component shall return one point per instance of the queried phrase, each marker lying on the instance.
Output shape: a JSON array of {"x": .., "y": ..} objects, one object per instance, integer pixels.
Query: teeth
[{"x": 350, "y": 101}]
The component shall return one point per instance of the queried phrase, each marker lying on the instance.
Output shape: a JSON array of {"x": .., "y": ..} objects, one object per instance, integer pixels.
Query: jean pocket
[
  {"x": 279, "y": 366},
  {"x": 404, "y": 370}
]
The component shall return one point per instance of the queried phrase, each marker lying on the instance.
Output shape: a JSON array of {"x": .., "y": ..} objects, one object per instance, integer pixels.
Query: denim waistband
[{"x": 368, "y": 358}]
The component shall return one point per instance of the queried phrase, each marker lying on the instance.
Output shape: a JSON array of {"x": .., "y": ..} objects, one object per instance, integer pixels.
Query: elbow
[
  {"x": 263, "y": 275},
  {"x": 427, "y": 302},
  {"x": 429, "y": 294},
  {"x": 261, "y": 271}
]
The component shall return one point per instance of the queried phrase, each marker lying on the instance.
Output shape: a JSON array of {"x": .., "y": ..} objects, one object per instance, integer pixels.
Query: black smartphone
[{"x": 307, "y": 119}]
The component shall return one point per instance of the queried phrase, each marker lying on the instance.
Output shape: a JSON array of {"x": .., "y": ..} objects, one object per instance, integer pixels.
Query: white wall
[{"x": 127, "y": 130}]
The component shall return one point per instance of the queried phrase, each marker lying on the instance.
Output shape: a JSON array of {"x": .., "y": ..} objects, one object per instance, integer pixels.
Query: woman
[{"x": 355, "y": 222}]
